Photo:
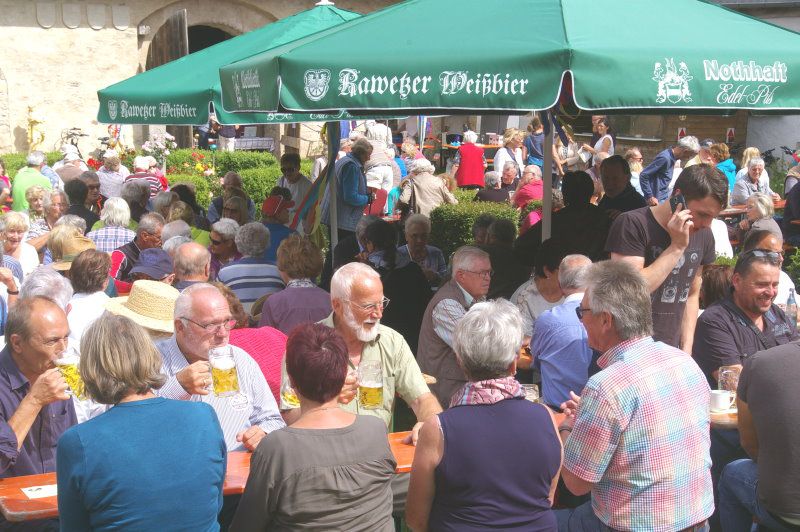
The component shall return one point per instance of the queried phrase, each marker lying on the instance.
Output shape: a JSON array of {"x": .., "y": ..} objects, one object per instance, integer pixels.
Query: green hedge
[
  {"x": 259, "y": 181},
  {"x": 451, "y": 225},
  {"x": 202, "y": 186},
  {"x": 225, "y": 161},
  {"x": 15, "y": 161}
]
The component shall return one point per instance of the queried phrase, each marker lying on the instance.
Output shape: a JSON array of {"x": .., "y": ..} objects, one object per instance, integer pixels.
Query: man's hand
[
  {"x": 570, "y": 408},
  {"x": 49, "y": 388},
  {"x": 195, "y": 378},
  {"x": 744, "y": 224},
  {"x": 251, "y": 437},
  {"x": 349, "y": 389},
  {"x": 680, "y": 226},
  {"x": 7, "y": 278},
  {"x": 653, "y": 202},
  {"x": 414, "y": 436}
]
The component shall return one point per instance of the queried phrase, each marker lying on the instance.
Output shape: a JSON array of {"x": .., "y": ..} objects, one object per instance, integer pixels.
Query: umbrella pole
[
  {"x": 547, "y": 177},
  {"x": 333, "y": 136}
]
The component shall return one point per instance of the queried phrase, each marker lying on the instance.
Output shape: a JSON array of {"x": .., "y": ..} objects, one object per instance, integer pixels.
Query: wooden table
[
  {"x": 738, "y": 210},
  {"x": 16, "y": 506},
  {"x": 725, "y": 420}
]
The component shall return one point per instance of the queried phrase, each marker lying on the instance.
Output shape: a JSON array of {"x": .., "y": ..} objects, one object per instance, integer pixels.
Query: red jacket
[{"x": 470, "y": 168}]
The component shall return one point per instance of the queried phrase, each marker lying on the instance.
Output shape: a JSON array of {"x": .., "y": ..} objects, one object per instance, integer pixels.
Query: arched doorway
[{"x": 201, "y": 37}]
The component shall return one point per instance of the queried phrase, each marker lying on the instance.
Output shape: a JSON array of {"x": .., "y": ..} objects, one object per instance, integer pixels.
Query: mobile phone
[{"x": 675, "y": 200}]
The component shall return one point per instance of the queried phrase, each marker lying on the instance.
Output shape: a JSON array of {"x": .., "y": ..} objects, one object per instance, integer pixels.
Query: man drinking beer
[{"x": 202, "y": 323}]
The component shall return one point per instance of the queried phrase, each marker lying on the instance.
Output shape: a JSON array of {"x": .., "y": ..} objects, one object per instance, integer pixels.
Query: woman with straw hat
[{"x": 150, "y": 304}]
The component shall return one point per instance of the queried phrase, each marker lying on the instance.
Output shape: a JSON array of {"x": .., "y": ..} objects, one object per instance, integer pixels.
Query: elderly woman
[
  {"x": 469, "y": 163},
  {"x": 187, "y": 194},
  {"x": 492, "y": 459},
  {"x": 509, "y": 178},
  {"x": 13, "y": 227},
  {"x": 116, "y": 216},
  {"x": 112, "y": 175},
  {"x": 417, "y": 229},
  {"x": 35, "y": 198},
  {"x": 754, "y": 179},
  {"x": 183, "y": 211},
  {"x": 721, "y": 158},
  {"x": 223, "y": 245},
  {"x": 329, "y": 470},
  {"x": 89, "y": 277},
  {"x": 55, "y": 205},
  {"x": 136, "y": 194},
  {"x": 493, "y": 191},
  {"x": 102, "y": 484},
  {"x": 299, "y": 261},
  {"x": 759, "y": 217},
  {"x": 530, "y": 187},
  {"x": 423, "y": 191},
  {"x": 511, "y": 150},
  {"x": 235, "y": 208},
  {"x": 163, "y": 201}
]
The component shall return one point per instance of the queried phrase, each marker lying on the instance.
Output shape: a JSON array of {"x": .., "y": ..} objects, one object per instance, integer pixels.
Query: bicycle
[{"x": 72, "y": 136}]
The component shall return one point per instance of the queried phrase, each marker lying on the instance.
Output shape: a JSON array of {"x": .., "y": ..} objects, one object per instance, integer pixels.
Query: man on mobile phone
[{"x": 670, "y": 243}]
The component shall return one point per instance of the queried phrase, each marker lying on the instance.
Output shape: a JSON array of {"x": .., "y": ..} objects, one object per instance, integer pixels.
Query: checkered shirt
[
  {"x": 109, "y": 238},
  {"x": 642, "y": 438}
]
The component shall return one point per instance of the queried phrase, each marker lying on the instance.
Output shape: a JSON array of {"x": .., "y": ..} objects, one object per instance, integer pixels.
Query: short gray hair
[
  {"x": 141, "y": 162},
  {"x": 755, "y": 161},
  {"x": 465, "y": 257},
  {"x": 421, "y": 166},
  {"x": 618, "y": 288},
  {"x": 163, "y": 200},
  {"x": 512, "y": 164},
  {"x": 135, "y": 191},
  {"x": 345, "y": 277},
  {"x": 35, "y": 158},
  {"x": 763, "y": 204},
  {"x": 690, "y": 143},
  {"x": 470, "y": 136},
  {"x": 418, "y": 219},
  {"x": 47, "y": 200},
  {"x": 116, "y": 212},
  {"x": 46, "y": 282},
  {"x": 487, "y": 339},
  {"x": 176, "y": 228},
  {"x": 226, "y": 228},
  {"x": 491, "y": 179},
  {"x": 572, "y": 272},
  {"x": 172, "y": 244},
  {"x": 533, "y": 169},
  {"x": 150, "y": 223},
  {"x": 72, "y": 220},
  {"x": 191, "y": 258},
  {"x": 183, "y": 305},
  {"x": 252, "y": 239}
]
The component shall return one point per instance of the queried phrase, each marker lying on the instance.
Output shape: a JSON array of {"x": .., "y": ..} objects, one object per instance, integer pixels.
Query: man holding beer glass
[{"x": 201, "y": 365}]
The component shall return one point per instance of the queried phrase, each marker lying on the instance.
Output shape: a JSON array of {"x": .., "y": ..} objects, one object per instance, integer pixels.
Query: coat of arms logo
[
  {"x": 673, "y": 83},
  {"x": 316, "y": 83},
  {"x": 112, "y": 109}
]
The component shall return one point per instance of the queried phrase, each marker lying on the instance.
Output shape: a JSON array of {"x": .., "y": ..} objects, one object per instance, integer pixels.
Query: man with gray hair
[
  {"x": 141, "y": 167},
  {"x": 638, "y": 436},
  {"x": 472, "y": 274},
  {"x": 656, "y": 176},
  {"x": 136, "y": 193},
  {"x": 148, "y": 235},
  {"x": 252, "y": 276},
  {"x": 27, "y": 177},
  {"x": 560, "y": 347},
  {"x": 45, "y": 281},
  {"x": 493, "y": 191},
  {"x": 192, "y": 264}
]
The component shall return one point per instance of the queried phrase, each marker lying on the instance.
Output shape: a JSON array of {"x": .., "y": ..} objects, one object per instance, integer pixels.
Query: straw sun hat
[{"x": 151, "y": 304}]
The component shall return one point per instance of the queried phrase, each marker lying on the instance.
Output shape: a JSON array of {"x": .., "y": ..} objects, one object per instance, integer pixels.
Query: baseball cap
[
  {"x": 275, "y": 204},
  {"x": 153, "y": 262}
]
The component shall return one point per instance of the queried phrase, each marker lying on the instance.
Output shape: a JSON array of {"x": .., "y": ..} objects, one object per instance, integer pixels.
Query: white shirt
[
  {"x": 253, "y": 405},
  {"x": 28, "y": 258},
  {"x": 85, "y": 309},
  {"x": 446, "y": 314},
  {"x": 531, "y": 304},
  {"x": 502, "y": 156},
  {"x": 722, "y": 245},
  {"x": 784, "y": 285},
  {"x": 299, "y": 189}
]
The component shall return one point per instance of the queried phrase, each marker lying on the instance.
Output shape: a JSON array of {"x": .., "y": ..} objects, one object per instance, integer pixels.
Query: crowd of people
[{"x": 621, "y": 317}]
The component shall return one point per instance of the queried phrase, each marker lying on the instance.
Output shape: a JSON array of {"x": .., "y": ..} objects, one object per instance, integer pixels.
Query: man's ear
[{"x": 15, "y": 341}]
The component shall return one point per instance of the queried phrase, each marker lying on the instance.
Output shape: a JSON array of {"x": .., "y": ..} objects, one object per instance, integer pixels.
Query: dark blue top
[
  {"x": 38, "y": 452},
  {"x": 625, "y": 201},
  {"x": 499, "y": 461},
  {"x": 534, "y": 143},
  {"x": 277, "y": 232},
  {"x": 155, "y": 464},
  {"x": 656, "y": 176}
]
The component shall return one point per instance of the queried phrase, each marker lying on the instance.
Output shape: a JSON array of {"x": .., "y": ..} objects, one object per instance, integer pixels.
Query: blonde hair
[
  {"x": 299, "y": 258},
  {"x": 512, "y": 133},
  {"x": 58, "y": 238},
  {"x": 749, "y": 153},
  {"x": 14, "y": 221},
  {"x": 118, "y": 359},
  {"x": 33, "y": 193}
]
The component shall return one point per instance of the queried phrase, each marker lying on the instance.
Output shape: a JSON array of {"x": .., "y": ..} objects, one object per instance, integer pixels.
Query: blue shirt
[
  {"x": 155, "y": 464},
  {"x": 561, "y": 349},
  {"x": 250, "y": 278},
  {"x": 277, "y": 232},
  {"x": 657, "y": 175}
]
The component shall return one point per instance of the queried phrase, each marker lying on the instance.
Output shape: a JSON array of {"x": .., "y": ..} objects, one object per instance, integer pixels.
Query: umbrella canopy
[
  {"x": 179, "y": 92},
  {"x": 643, "y": 55}
]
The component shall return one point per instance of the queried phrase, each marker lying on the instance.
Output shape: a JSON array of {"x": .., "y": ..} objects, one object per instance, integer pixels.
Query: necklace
[{"x": 319, "y": 409}]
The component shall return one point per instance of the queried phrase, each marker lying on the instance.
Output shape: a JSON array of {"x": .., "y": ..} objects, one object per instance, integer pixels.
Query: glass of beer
[
  {"x": 288, "y": 395},
  {"x": 68, "y": 364},
  {"x": 531, "y": 392},
  {"x": 728, "y": 379},
  {"x": 370, "y": 385},
  {"x": 223, "y": 371}
]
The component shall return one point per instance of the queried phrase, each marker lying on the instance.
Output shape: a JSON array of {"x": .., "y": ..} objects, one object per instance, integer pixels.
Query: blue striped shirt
[
  {"x": 253, "y": 405},
  {"x": 250, "y": 278}
]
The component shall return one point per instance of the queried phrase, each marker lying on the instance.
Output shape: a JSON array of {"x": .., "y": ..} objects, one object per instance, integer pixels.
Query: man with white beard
[{"x": 358, "y": 303}]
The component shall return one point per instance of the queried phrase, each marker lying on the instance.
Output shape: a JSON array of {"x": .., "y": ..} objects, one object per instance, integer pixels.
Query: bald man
[{"x": 192, "y": 264}]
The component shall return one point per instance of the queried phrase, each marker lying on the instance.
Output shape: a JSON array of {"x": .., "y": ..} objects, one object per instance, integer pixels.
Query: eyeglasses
[
  {"x": 216, "y": 242},
  {"x": 288, "y": 169},
  {"x": 485, "y": 274},
  {"x": 213, "y": 327},
  {"x": 579, "y": 311},
  {"x": 372, "y": 307}
]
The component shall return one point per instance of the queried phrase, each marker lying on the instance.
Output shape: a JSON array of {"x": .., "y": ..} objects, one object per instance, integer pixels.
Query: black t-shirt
[
  {"x": 625, "y": 201},
  {"x": 768, "y": 384},
  {"x": 497, "y": 195},
  {"x": 637, "y": 233},
  {"x": 723, "y": 337}
]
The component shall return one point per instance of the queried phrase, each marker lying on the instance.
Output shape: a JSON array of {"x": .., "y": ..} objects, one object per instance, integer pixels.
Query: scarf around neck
[{"x": 487, "y": 392}]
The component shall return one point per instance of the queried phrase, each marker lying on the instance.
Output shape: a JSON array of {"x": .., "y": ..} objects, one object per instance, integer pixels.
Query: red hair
[{"x": 316, "y": 361}]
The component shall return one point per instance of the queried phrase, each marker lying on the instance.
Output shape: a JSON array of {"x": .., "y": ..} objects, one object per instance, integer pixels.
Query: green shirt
[
  {"x": 26, "y": 178},
  {"x": 201, "y": 237},
  {"x": 401, "y": 374}
]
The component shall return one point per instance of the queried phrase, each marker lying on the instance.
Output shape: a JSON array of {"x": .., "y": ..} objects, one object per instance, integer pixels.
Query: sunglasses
[{"x": 580, "y": 311}]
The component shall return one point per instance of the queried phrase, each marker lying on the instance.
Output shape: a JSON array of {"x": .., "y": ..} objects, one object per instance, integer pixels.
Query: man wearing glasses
[
  {"x": 202, "y": 322},
  {"x": 472, "y": 274}
]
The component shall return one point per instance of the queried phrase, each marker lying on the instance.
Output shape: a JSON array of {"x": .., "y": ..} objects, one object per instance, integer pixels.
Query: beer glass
[
  {"x": 223, "y": 371},
  {"x": 370, "y": 385},
  {"x": 728, "y": 379},
  {"x": 67, "y": 364},
  {"x": 531, "y": 392},
  {"x": 288, "y": 395}
]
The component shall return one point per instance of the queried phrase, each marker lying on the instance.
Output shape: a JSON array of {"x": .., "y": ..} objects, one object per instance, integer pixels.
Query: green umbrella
[
  {"x": 179, "y": 92},
  {"x": 647, "y": 55}
]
